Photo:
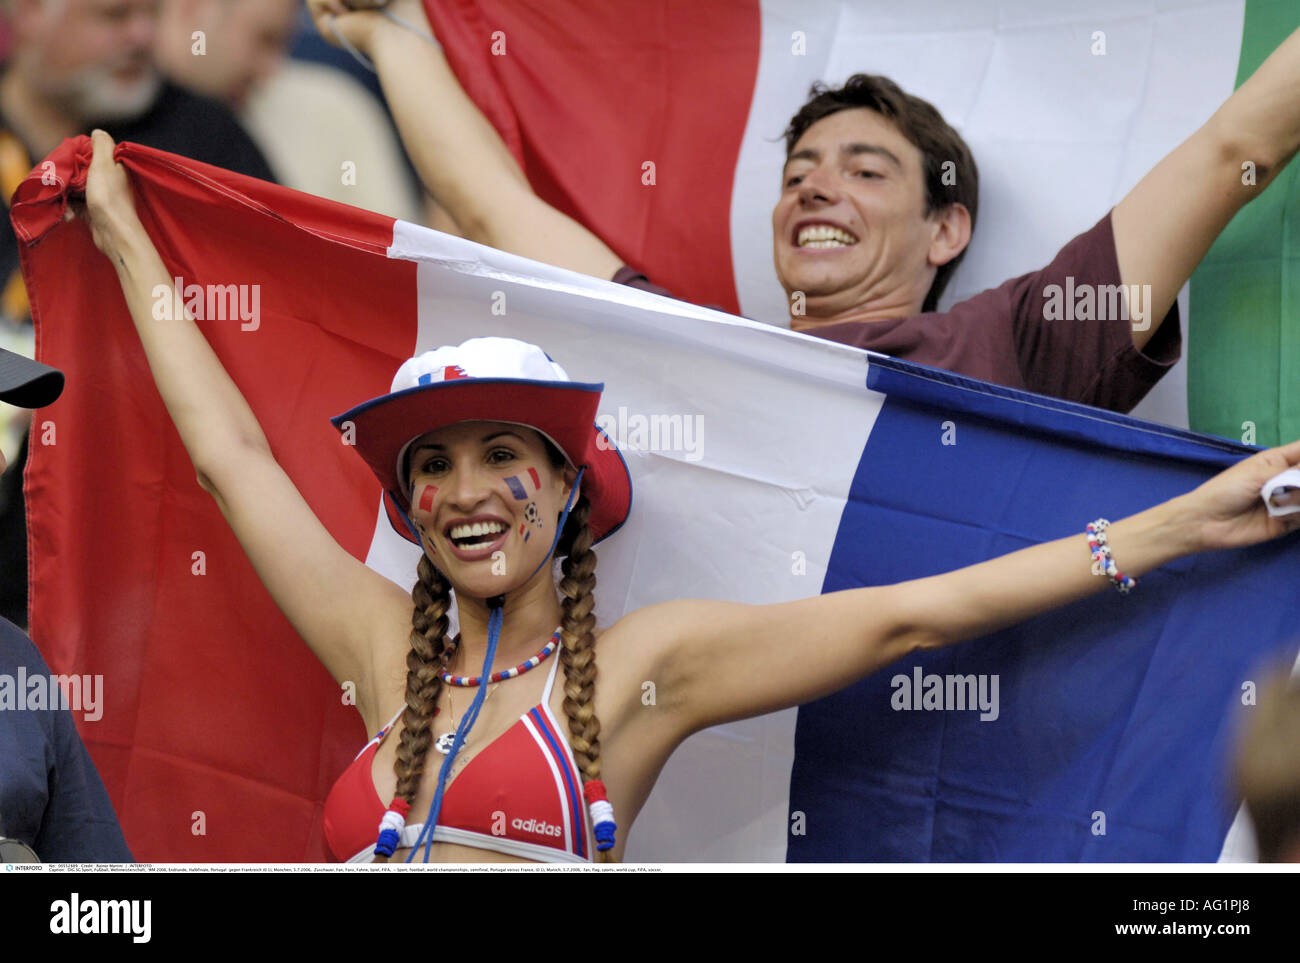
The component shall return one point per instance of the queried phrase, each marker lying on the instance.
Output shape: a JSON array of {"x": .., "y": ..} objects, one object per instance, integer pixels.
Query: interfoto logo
[
  {"x": 952, "y": 692},
  {"x": 78, "y": 693},
  {"x": 212, "y": 302},
  {"x": 654, "y": 432},
  {"x": 1098, "y": 302}
]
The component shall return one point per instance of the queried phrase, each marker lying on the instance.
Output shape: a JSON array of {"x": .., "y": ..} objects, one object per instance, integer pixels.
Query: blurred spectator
[
  {"x": 1268, "y": 770},
  {"x": 51, "y": 796},
  {"x": 224, "y": 48},
  {"x": 320, "y": 129},
  {"x": 78, "y": 64},
  {"x": 73, "y": 65}
]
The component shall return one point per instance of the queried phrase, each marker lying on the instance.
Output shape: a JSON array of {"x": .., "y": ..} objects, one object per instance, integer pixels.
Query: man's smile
[{"x": 817, "y": 234}]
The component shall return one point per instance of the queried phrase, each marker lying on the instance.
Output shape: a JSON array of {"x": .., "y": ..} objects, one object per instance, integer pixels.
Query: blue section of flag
[
  {"x": 1115, "y": 713},
  {"x": 516, "y": 488}
]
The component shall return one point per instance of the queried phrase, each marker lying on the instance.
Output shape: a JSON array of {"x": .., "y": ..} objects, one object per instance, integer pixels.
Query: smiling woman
[
  {"x": 490, "y": 459},
  {"x": 473, "y": 492}
]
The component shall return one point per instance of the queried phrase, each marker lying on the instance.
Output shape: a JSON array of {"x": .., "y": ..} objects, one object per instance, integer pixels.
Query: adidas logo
[{"x": 538, "y": 826}]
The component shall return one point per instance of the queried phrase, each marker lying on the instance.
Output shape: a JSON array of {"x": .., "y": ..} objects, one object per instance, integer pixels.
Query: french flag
[{"x": 1098, "y": 732}]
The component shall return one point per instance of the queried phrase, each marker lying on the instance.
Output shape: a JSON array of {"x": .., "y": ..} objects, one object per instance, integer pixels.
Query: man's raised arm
[
  {"x": 1166, "y": 224},
  {"x": 459, "y": 156}
]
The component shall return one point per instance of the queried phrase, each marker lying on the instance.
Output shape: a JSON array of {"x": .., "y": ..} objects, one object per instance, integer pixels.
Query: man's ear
[{"x": 951, "y": 232}]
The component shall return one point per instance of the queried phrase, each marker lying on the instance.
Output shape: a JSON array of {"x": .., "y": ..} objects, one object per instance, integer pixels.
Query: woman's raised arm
[
  {"x": 716, "y": 662},
  {"x": 338, "y": 605}
]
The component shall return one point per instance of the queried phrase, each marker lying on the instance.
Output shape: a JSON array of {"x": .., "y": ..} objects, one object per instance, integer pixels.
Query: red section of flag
[
  {"x": 537, "y": 482},
  {"x": 453, "y": 371},
  {"x": 586, "y": 94},
  {"x": 212, "y": 703}
]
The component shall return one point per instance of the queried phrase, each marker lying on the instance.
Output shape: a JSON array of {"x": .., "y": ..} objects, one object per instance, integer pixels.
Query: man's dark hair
[{"x": 920, "y": 123}]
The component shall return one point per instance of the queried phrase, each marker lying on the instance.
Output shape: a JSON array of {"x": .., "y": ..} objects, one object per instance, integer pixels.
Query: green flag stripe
[{"x": 1243, "y": 339}]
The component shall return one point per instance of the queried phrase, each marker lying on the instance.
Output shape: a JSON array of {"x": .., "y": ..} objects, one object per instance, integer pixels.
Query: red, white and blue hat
[{"x": 489, "y": 379}]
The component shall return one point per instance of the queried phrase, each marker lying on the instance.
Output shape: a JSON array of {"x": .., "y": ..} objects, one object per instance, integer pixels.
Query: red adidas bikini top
[{"x": 521, "y": 795}]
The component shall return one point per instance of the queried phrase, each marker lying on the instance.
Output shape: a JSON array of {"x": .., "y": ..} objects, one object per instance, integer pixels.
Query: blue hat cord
[{"x": 495, "y": 619}]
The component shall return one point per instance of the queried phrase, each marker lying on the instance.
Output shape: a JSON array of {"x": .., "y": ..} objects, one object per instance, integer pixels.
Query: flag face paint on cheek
[
  {"x": 424, "y": 497},
  {"x": 517, "y": 487}
]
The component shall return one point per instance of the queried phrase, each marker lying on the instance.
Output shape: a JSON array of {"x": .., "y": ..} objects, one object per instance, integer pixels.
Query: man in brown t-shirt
[
  {"x": 1086, "y": 353},
  {"x": 878, "y": 203}
]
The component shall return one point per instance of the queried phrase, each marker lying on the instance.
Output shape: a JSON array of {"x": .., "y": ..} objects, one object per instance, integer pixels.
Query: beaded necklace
[{"x": 469, "y": 681}]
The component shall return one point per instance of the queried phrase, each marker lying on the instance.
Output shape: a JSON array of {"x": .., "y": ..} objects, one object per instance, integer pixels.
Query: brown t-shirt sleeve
[
  {"x": 1073, "y": 333},
  {"x": 1002, "y": 335}
]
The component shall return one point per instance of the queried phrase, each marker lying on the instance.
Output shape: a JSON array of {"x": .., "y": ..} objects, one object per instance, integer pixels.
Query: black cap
[{"x": 27, "y": 383}]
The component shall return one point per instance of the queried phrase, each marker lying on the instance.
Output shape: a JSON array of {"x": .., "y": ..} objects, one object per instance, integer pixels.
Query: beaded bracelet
[{"x": 1101, "y": 559}]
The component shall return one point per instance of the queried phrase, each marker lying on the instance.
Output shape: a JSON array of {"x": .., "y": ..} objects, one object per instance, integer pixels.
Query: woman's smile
[{"x": 477, "y": 538}]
